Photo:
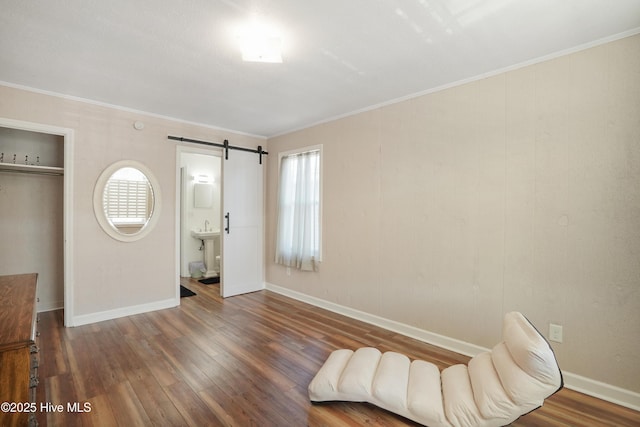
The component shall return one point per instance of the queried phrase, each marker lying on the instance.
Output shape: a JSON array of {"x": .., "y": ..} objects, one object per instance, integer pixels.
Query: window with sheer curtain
[{"x": 298, "y": 239}]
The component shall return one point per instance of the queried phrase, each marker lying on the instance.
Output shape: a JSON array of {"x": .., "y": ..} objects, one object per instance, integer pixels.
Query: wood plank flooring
[{"x": 243, "y": 361}]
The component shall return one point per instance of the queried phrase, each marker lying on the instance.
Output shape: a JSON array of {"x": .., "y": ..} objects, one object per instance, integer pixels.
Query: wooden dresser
[{"x": 18, "y": 350}]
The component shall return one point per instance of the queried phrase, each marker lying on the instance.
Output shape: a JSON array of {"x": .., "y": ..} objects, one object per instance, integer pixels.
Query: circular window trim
[{"x": 98, "y": 201}]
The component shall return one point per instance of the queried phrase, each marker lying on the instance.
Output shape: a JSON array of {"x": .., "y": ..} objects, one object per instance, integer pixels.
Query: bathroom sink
[
  {"x": 205, "y": 235},
  {"x": 209, "y": 240}
]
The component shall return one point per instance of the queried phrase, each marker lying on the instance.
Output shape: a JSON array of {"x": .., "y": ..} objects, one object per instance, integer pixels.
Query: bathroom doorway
[
  {"x": 200, "y": 211},
  {"x": 238, "y": 193}
]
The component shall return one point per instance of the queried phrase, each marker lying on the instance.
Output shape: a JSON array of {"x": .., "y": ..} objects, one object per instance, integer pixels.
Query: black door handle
[{"x": 228, "y": 222}]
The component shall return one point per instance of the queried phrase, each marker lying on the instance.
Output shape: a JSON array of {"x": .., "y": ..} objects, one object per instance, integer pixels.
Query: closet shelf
[{"x": 46, "y": 170}]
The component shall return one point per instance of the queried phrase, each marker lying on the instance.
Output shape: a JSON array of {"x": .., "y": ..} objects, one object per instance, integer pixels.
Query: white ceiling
[{"x": 179, "y": 58}]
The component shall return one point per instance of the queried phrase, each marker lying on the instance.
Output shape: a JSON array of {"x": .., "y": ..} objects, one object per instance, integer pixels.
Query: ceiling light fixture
[{"x": 260, "y": 43}]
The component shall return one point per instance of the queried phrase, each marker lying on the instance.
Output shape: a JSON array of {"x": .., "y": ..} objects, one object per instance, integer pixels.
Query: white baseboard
[
  {"x": 101, "y": 316},
  {"x": 604, "y": 391},
  {"x": 50, "y": 306},
  {"x": 610, "y": 393}
]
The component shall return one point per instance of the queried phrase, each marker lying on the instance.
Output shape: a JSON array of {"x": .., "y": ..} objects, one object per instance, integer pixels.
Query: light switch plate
[{"x": 555, "y": 332}]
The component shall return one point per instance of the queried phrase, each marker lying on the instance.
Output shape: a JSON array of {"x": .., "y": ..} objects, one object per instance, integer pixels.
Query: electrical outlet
[
  {"x": 288, "y": 271},
  {"x": 555, "y": 332}
]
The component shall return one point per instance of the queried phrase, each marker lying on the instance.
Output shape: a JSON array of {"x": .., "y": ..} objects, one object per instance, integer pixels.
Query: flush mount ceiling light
[{"x": 260, "y": 43}]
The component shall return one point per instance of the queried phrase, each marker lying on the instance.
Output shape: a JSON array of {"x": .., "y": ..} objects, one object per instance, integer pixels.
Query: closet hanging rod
[
  {"x": 224, "y": 145},
  {"x": 30, "y": 169}
]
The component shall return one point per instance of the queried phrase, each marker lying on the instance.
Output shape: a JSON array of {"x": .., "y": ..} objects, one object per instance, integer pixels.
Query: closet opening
[{"x": 34, "y": 208}]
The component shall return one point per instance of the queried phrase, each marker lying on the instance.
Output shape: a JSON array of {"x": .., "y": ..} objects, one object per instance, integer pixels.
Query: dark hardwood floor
[{"x": 242, "y": 361}]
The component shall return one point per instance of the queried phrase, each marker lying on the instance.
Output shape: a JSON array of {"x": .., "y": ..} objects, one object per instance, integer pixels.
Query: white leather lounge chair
[{"x": 494, "y": 389}]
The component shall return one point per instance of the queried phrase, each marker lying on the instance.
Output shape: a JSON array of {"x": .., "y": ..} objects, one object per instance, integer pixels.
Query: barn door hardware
[{"x": 225, "y": 145}]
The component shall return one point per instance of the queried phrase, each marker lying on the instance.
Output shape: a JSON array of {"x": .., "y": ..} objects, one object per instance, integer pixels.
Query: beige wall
[
  {"x": 516, "y": 192},
  {"x": 109, "y": 275}
]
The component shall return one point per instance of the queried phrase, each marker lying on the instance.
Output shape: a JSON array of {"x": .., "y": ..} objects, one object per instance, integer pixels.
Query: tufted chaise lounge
[{"x": 494, "y": 389}]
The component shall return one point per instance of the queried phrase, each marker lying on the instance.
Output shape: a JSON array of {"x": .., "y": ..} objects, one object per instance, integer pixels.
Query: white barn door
[{"x": 242, "y": 224}]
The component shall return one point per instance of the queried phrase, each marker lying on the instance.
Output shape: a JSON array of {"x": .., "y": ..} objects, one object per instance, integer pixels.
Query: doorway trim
[{"x": 68, "y": 139}]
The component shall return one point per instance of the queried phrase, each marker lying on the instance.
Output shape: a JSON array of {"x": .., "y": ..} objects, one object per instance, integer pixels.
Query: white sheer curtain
[{"x": 298, "y": 232}]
